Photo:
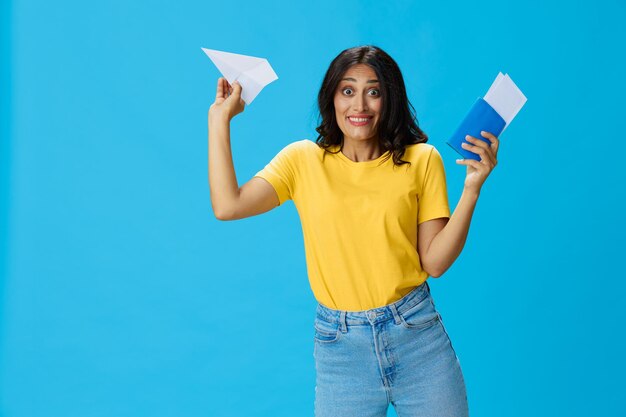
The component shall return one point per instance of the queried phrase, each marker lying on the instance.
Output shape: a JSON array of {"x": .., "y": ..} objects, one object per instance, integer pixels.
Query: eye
[{"x": 377, "y": 91}]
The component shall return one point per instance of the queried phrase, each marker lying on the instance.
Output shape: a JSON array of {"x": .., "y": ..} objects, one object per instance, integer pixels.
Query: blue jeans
[{"x": 399, "y": 354}]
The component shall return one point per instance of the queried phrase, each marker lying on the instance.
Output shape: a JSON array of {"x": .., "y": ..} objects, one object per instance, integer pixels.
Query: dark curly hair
[{"x": 398, "y": 126}]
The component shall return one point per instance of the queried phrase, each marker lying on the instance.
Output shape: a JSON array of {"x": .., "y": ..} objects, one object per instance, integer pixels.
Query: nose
[{"x": 359, "y": 104}]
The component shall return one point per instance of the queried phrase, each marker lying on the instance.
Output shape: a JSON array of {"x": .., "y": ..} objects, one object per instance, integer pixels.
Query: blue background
[{"x": 122, "y": 295}]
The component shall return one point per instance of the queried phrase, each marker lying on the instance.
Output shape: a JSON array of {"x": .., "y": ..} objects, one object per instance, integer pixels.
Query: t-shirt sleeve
[
  {"x": 433, "y": 200},
  {"x": 281, "y": 172}
]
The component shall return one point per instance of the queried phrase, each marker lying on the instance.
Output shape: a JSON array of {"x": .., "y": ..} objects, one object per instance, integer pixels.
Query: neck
[{"x": 361, "y": 150}]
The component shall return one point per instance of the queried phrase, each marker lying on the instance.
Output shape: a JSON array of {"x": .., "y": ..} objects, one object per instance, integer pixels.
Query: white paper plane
[
  {"x": 251, "y": 72},
  {"x": 505, "y": 98}
]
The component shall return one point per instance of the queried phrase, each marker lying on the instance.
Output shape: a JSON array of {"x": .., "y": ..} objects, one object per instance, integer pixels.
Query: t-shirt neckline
[{"x": 370, "y": 163}]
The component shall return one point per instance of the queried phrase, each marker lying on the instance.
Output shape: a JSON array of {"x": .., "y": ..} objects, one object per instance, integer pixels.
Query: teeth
[{"x": 358, "y": 119}]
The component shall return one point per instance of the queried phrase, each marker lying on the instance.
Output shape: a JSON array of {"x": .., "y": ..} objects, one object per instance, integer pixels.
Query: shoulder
[
  {"x": 418, "y": 152},
  {"x": 307, "y": 148},
  {"x": 293, "y": 149},
  {"x": 308, "y": 144},
  {"x": 294, "y": 153},
  {"x": 300, "y": 145}
]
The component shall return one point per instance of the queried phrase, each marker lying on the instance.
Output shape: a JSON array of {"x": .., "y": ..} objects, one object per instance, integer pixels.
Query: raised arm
[
  {"x": 443, "y": 240},
  {"x": 230, "y": 202}
]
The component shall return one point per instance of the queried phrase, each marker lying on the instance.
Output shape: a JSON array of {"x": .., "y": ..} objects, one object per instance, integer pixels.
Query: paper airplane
[{"x": 251, "y": 72}]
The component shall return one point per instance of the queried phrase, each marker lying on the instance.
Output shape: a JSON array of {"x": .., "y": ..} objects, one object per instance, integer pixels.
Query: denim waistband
[{"x": 378, "y": 314}]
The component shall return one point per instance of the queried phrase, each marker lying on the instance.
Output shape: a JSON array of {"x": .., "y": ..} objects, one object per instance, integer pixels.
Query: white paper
[
  {"x": 251, "y": 72},
  {"x": 505, "y": 98}
]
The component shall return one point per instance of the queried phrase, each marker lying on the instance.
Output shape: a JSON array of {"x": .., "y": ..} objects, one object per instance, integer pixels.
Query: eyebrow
[{"x": 352, "y": 79}]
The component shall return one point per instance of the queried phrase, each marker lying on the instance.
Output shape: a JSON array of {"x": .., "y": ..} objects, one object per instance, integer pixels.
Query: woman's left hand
[{"x": 478, "y": 171}]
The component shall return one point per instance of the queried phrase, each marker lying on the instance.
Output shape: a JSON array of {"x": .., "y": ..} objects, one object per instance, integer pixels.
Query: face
[{"x": 358, "y": 104}]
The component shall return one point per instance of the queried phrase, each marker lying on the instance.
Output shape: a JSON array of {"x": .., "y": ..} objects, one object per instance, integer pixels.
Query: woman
[{"x": 372, "y": 200}]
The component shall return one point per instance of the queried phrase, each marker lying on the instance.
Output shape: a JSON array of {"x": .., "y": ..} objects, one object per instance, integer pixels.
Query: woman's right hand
[{"x": 228, "y": 102}]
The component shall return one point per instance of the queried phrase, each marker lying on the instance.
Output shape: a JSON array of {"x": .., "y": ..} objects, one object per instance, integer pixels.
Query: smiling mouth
[{"x": 359, "y": 121}]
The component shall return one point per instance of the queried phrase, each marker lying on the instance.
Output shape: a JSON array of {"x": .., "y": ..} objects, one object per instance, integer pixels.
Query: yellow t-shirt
[{"x": 359, "y": 219}]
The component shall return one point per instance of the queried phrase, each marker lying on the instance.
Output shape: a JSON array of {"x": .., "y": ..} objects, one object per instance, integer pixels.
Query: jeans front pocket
[
  {"x": 421, "y": 315},
  {"x": 326, "y": 332}
]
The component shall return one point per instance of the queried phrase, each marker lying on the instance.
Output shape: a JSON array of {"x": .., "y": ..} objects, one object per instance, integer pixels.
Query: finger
[
  {"x": 490, "y": 136},
  {"x": 481, "y": 148},
  {"x": 227, "y": 88},
  {"x": 219, "y": 93},
  {"x": 236, "y": 88},
  {"x": 488, "y": 153},
  {"x": 481, "y": 166},
  {"x": 224, "y": 86},
  {"x": 495, "y": 142},
  {"x": 233, "y": 88},
  {"x": 477, "y": 142},
  {"x": 471, "y": 162}
]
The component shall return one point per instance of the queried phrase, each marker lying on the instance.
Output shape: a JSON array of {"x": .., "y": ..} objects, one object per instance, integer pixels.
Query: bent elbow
[
  {"x": 222, "y": 215},
  {"x": 433, "y": 272},
  {"x": 221, "y": 218},
  {"x": 438, "y": 272}
]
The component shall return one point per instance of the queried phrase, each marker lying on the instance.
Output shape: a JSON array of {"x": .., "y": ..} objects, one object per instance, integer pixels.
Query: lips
[{"x": 359, "y": 121}]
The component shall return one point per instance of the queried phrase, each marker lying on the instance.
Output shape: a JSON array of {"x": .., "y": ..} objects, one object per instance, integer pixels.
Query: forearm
[
  {"x": 447, "y": 245},
  {"x": 222, "y": 178}
]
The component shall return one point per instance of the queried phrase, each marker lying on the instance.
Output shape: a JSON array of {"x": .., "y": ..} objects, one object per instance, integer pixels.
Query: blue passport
[{"x": 481, "y": 116}]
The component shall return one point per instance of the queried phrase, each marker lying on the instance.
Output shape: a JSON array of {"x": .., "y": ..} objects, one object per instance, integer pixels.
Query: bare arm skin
[
  {"x": 440, "y": 241},
  {"x": 229, "y": 201}
]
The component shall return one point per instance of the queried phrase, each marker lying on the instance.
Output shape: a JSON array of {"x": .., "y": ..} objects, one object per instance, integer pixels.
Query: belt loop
[
  {"x": 342, "y": 322},
  {"x": 396, "y": 316}
]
